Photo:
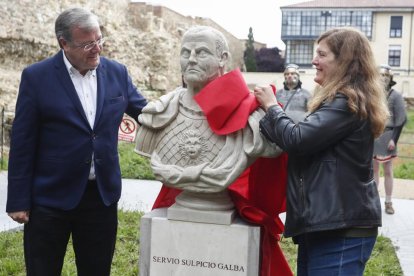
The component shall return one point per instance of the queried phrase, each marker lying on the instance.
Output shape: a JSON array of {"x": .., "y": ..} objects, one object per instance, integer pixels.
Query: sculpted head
[{"x": 203, "y": 57}]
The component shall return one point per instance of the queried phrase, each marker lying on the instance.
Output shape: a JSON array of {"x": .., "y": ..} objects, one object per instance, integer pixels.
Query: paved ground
[
  {"x": 136, "y": 195},
  {"x": 140, "y": 195}
]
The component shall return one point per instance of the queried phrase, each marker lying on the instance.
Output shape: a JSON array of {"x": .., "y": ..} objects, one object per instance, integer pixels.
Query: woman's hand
[
  {"x": 265, "y": 96},
  {"x": 391, "y": 145}
]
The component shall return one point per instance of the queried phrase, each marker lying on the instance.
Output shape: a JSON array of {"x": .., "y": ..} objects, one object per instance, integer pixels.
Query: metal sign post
[{"x": 2, "y": 139}]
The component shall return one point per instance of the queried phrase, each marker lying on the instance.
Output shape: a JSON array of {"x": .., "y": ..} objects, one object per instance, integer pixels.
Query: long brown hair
[{"x": 356, "y": 76}]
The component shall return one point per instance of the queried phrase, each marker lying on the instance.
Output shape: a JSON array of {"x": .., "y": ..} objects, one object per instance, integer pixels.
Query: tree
[
  {"x": 269, "y": 60},
  {"x": 249, "y": 53}
]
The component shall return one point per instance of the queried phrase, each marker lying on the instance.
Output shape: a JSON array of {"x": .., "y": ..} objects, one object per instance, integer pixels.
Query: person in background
[
  {"x": 333, "y": 207},
  {"x": 64, "y": 177},
  {"x": 385, "y": 147},
  {"x": 293, "y": 97}
]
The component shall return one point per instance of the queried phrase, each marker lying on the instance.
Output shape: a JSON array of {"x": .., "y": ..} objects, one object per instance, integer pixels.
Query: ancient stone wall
[{"x": 145, "y": 38}]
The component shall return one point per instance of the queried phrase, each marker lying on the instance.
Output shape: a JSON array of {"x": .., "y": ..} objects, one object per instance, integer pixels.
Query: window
[
  {"x": 396, "y": 26},
  {"x": 299, "y": 52},
  {"x": 394, "y": 55},
  {"x": 311, "y": 23},
  {"x": 291, "y": 23}
]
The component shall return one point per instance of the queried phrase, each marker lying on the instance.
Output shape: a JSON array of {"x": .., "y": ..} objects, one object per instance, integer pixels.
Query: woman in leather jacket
[{"x": 333, "y": 206}]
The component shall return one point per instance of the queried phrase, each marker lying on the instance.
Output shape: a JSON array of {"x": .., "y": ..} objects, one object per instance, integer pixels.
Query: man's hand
[{"x": 20, "y": 216}]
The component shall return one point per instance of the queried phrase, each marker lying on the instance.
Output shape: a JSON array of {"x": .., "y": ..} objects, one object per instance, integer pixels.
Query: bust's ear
[{"x": 224, "y": 59}]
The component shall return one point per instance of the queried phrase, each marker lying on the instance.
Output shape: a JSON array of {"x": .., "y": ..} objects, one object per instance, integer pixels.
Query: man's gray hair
[
  {"x": 221, "y": 42},
  {"x": 74, "y": 17}
]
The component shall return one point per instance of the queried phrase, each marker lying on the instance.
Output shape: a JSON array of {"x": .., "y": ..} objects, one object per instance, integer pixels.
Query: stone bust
[{"x": 185, "y": 152}]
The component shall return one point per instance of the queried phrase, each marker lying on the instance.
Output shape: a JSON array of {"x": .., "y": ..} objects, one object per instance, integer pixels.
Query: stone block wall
[{"x": 145, "y": 38}]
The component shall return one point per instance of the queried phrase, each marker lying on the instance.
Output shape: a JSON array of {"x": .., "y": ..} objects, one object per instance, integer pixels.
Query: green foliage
[
  {"x": 404, "y": 170},
  {"x": 125, "y": 260},
  {"x": 127, "y": 245},
  {"x": 404, "y": 164},
  {"x": 69, "y": 265},
  {"x": 249, "y": 53},
  {"x": 409, "y": 126},
  {"x": 3, "y": 162},
  {"x": 11, "y": 253},
  {"x": 383, "y": 260},
  {"x": 133, "y": 166},
  {"x": 289, "y": 250}
]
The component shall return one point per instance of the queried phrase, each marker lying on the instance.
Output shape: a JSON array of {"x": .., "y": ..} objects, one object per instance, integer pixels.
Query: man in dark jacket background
[{"x": 293, "y": 97}]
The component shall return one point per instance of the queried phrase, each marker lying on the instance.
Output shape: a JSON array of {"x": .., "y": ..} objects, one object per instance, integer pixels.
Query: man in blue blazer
[{"x": 64, "y": 175}]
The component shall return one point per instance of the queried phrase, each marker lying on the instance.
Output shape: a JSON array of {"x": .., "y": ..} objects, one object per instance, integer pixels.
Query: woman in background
[{"x": 385, "y": 147}]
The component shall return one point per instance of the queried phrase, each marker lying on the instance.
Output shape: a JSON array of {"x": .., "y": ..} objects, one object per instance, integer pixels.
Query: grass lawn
[
  {"x": 383, "y": 261},
  {"x": 404, "y": 164}
]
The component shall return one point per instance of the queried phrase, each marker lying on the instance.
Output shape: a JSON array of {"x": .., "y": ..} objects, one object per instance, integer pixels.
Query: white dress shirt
[{"x": 86, "y": 88}]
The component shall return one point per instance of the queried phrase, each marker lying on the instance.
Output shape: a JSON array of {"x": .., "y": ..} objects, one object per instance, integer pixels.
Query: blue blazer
[{"x": 52, "y": 142}]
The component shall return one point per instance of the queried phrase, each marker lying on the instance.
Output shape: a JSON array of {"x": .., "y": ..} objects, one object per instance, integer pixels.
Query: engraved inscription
[{"x": 198, "y": 263}]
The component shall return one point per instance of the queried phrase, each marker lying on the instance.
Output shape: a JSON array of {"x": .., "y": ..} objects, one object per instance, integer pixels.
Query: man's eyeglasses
[{"x": 90, "y": 46}]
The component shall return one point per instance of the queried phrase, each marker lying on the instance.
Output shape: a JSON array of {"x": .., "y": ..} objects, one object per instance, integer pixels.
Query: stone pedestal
[
  {"x": 185, "y": 248},
  {"x": 177, "y": 212}
]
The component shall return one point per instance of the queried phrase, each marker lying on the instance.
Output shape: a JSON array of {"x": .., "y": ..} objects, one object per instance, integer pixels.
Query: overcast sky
[{"x": 263, "y": 16}]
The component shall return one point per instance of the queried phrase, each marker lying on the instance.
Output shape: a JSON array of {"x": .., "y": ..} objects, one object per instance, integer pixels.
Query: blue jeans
[{"x": 333, "y": 256}]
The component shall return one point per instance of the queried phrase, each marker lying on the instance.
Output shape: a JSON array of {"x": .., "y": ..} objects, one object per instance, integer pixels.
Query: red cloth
[
  {"x": 227, "y": 103},
  {"x": 259, "y": 194}
]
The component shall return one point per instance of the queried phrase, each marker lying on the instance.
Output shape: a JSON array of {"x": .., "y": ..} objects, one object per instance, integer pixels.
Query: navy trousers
[{"x": 93, "y": 227}]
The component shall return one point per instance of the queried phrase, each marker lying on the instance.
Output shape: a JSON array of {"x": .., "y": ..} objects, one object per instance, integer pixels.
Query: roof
[{"x": 354, "y": 4}]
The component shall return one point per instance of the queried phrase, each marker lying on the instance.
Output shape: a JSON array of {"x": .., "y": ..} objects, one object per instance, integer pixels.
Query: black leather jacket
[{"x": 330, "y": 178}]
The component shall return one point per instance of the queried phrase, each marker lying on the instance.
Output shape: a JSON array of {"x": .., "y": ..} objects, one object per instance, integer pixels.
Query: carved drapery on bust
[{"x": 186, "y": 154}]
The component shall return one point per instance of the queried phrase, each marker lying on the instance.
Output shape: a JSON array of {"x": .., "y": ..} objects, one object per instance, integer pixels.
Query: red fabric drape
[
  {"x": 227, "y": 103},
  {"x": 259, "y": 194}
]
